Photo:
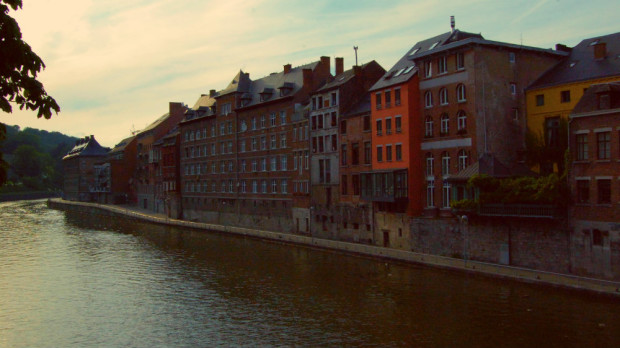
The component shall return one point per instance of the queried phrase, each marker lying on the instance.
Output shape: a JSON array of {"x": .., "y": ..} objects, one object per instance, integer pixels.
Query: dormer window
[
  {"x": 266, "y": 94},
  {"x": 433, "y": 45},
  {"x": 414, "y": 51}
]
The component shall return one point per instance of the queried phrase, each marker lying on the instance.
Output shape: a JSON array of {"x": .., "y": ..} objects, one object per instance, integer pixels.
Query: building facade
[{"x": 82, "y": 168}]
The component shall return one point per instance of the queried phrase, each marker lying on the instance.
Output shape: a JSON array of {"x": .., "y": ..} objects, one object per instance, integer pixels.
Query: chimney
[
  {"x": 287, "y": 68},
  {"x": 563, "y": 48},
  {"x": 452, "y": 25},
  {"x": 211, "y": 93},
  {"x": 600, "y": 51},
  {"x": 357, "y": 70},
  {"x": 339, "y": 65},
  {"x": 307, "y": 73},
  {"x": 325, "y": 63}
]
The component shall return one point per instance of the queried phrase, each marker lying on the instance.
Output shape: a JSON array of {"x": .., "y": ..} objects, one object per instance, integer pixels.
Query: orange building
[{"x": 394, "y": 184}]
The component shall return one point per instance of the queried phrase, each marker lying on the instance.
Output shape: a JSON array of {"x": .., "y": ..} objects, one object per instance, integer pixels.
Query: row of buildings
[{"x": 357, "y": 154}]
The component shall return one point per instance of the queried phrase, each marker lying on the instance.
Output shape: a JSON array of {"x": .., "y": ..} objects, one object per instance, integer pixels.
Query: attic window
[
  {"x": 594, "y": 42},
  {"x": 389, "y": 75},
  {"x": 572, "y": 64},
  {"x": 399, "y": 72},
  {"x": 414, "y": 51},
  {"x": 408, "y": 70},
  {"x": 433, "y": 45}
]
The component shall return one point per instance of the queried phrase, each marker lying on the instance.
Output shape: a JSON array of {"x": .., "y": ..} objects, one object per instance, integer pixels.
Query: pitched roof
[
  {"x": 589, "y": 102},
  {"x": 361, "y": 107},
  {"x": 239, "y": 83},
  {"x": 86, "y": 147},
  {"x": 122, "y": 144},
  {"x": 343, "y": 78},
  {"x": 268, "y": 88},
  {"x": 581, "y": 65}
]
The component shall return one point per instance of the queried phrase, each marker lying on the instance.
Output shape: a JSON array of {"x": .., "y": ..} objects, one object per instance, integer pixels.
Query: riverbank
[
  {"x": 521, "y": 274},
  {"x": 22, "y": 196}
]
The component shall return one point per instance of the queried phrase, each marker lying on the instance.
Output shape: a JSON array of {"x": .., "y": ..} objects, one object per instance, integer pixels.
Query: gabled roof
[
  {"x": 580, "y": 65},
  {"x": 122, "y": 145},
  {"x": 589, "y": 102},
  {"x": 86, "y": 147},
  {"x": 343, "y": 78},
  {"x": 360, "y": 108},
  {"x": 270, "y": 86},
  {"x": 489, "y": 165},
  {"x": 240, "y": 83},
  {"x": 157, "y": 122}
]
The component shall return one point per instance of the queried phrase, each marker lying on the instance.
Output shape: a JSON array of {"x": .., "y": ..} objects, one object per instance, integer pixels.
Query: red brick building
[
  {"x": 167, "y": 177},
  {"x": 80, "y": 180},
  {"x": 594, "y": 141},
  {"x": 122, "y": 162},
  {"x": 300, "y": 175}
]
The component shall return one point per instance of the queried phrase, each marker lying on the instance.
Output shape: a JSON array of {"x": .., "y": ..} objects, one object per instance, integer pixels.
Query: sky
[{"x": 113, "y": 66}]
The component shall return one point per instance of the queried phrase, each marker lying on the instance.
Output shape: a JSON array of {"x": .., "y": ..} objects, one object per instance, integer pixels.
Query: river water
[{"x": 71, "y": 280}]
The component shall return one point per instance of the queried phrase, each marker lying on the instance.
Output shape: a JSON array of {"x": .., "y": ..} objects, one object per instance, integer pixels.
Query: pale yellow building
[{"x": 554, "y": 95}]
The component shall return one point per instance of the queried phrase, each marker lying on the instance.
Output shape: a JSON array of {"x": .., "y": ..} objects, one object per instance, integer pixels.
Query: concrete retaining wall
[{"x": 493, "y": 269}]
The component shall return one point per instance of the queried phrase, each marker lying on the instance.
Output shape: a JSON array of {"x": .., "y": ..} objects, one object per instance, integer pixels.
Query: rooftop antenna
[
  {"x": 452, "y": 24},
  {"x": 355, "y": 48}
]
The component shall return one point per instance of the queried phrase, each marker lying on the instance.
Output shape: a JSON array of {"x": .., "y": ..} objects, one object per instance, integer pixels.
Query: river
[{"x": 73, "y": 280}]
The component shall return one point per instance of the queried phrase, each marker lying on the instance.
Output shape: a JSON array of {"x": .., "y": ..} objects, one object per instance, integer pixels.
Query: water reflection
[{"x": 72, "y": 280}]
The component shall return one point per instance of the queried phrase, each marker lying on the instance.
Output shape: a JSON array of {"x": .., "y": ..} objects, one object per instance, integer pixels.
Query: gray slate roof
[
  {"x": 589, "y": 101},
  {"x": 122, "y": 144},
  {"x": 86, "y": 147},
  {"x": 580, "y": 65},
  {"x": 489, "y": 165}
]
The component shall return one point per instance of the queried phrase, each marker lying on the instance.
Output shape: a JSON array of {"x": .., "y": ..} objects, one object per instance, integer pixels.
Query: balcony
[{"x": 384, "y": 186}]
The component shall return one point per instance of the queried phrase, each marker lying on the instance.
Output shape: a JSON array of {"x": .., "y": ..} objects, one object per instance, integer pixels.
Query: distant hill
[{"x": 43, "y": 140}]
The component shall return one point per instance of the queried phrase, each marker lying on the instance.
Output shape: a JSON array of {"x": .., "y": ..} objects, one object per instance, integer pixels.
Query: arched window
[
  {"x": 445, "y": 124},
  {"x": 428, "y": 99},
  {"x": 430, "y": 163},
  {"x": 443, "y": 96},
  {"x": 461, "y": 118},
  {"x": 463, "y": 160},
  {"x": 428, "y": 130},
  {"x": 460, "y": 93},
  {"x": 445, "y": 163}
]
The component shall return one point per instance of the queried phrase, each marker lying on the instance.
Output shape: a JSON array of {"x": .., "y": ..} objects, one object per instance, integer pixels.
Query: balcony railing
[{"x": 519, "y": 210}]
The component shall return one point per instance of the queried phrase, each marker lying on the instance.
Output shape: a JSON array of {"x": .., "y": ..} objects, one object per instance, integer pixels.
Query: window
[
  {"x": 540, "y": 99},
  {"x": 443, "y": 96},
  {"x": 445, "y": 163},
  {"x": 230, "y": 166},
  {"x": 460, "y": 93},
  {"x": 263, "y": 143},
  {"x": 378, "y": 100},
  {"x": 428, "y": 99},
  {"x": 254, "y": 144},
  {"x": 513, "y": 89},
  {"x": 379, "y": 153},
  {"x": 355, "y": 153},
  {"x": 274, "y": 186},
  {"x": 428, "y": 68},
  {"x": 398, "y": 123},
  {"x": 430, "y": 160},
  {"x": 582, "y": 147},
  {"x": 284, "y": 186},
  {"x": 242, "y": 145},
  {"x": 272, "y": 119},
  {"x": 273, "y": 164},
  {"x": 446, "y": 195},
  {"x": 461, "y": 119},
  {"x": 321, "y": 144},
  {"x": 460, "y": 61},
  {"x": 343, "y": 154},
  {"x": 397, "y": 96},
  {"x": 334, "y": 142},
  {"x": 263, "y": 185},
  {"x": 430, "y": 193},
  {"x": 565, "y": 96},
  {"x": 243, "y": 186},
  {"x": 283, "y": 163},
  {"x": 388, "y": 98},
  {"x": 442, "y": 66},
  {"x": 388, "y": 153},
  {"x": 242, "y": 168},
  {"x": 428, "y": 127},
  {"x": 263, "y": 121},
  {"x": 283, "y": 140},
  {"x": 343, "y": 184},
  {"x": 334, "y": 99},
  {"x": 254, "y": 186},
  {"x": 367, "y": 152},
  {"x": 254, "y": 165},
  {"x": 463, "y": 159},
  {"x": 356, "y": 184},
  {"x": 379, "y": 127},
  {"x": 263, "y": 164},
  {"x": 366, "y": 122},
  {"x": 604, "y": 191},
  {"x": 320, "y": 121},
  {"x": 603, "y": 145},
  {"x": 273, "y": 143},
  {"x": 512, "y": 57},
  {"x": 552, "y": 131},
  {"x": 343, "y": 127},
  {"x": 583, "y": 191},
  {"x": 445, "y": 124},
  {"x": 222, "y": 128},
  {"x": 399, "y": 152},
  {"x": 197, "y": 135},
  {"x": 282, "y": 117},
  {"x": 388, "y": 125},
  {"x": 229, "y": 125}
]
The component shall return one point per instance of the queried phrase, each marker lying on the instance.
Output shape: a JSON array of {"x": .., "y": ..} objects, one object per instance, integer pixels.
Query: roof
[
  {"x": 489, "y": 165},
  {"x": 86, "y": 147},
  {"x": 123, "y": 144},
  {"x": 343, "y": 78},
  {"x": 272, "y": 87},
  {"x": 361, "y": 107},
  {"x": 161, "y": 119},
  {"x": 580, "y": 65},
  {"x": 589, "y": 102},
  {"x": 239, "y": 83}
]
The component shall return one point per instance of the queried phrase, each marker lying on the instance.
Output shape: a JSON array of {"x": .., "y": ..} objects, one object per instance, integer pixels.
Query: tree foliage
[
  {"x": 549, "y": 189},
  {"x": 546, "y": 154},
  {"x": 19, "y": 67}
]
